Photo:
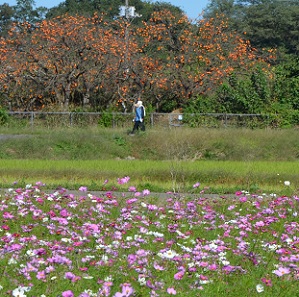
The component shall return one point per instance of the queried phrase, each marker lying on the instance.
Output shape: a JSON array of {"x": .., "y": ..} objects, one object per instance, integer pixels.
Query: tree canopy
[{"x": 233, "y": 59}]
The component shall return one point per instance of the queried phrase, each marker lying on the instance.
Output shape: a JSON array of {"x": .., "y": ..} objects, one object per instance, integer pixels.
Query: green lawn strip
[{"x": 220, "y": 176}]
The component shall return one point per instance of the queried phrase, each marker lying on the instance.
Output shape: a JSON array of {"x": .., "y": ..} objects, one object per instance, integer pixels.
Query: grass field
[
  {"x": 157, "y": 176},
  {"x": 160, "y": 159}
]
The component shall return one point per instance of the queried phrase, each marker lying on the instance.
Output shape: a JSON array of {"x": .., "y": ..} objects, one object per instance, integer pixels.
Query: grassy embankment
[{"x": 225, "y": 160}]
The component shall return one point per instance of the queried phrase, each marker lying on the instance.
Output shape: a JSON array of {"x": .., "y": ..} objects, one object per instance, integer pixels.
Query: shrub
[{"x": 4, "y": 117}]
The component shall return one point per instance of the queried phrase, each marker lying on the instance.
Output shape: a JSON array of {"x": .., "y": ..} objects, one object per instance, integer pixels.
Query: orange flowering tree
[
  {"x": 89, "y": 61},
  {"x": 61, "y": 58}
]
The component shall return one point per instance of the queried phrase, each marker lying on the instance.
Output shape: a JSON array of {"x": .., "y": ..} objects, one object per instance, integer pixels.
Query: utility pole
[
  {"x": 127, "y": 12},
  {"x": 127, "y": 39}
]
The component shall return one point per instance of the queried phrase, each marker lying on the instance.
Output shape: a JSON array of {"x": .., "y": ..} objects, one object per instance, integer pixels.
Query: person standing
[{"x": 139, "y": 117}]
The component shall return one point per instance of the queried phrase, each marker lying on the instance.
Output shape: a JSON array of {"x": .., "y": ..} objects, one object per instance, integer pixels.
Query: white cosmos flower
[
  {"x": 273, "y": 247},
  {"x": 108, "y": 278},
  {"x": 30, "y": 253},
  {"x": 142, "y": 280},
  {"x": 184, "y": 248},
  {"x": 225, "y": 262},
  {"x": 287, "y": 183},
  {"x": 203, "y": 282},
  {"x": 170, "y": 254},
  {"x": 20, "y": 291},
  {"x": 66, "y": 239},
  {"x": 105, "y": 258},
  {"x": 259, "y": 288},
  {"x": 156, "y": 234},
  {"x": 12, "y": 261}
]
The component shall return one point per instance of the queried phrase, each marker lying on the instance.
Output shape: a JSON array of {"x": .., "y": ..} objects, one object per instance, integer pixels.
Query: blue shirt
[{"x": 139, "y": 114}]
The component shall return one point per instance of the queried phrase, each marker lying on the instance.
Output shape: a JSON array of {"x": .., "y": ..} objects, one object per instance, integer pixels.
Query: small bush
[
  {"x": 4, "y": 117},
  {"x": 106, "y": 120}
]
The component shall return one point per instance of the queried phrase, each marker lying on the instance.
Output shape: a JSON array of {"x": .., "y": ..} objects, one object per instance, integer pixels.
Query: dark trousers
[{"x": 138, "y": 125}]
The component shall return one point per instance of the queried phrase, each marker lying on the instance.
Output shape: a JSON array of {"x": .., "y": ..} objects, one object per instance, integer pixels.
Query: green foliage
[
  {"x": 200, "y": 104},
  {"x": 267, "y": 24},
  {"x": 106, "y": 119},
  {"x": 283, "y": 116},
  {"x": 4, "y": 117},
  {"x": 120, "y": 141},
  {"x": 286, "y": 87},
  {"x": 194, "y": 109},
  {"x": 6, "y": 14},
  {"x": 110, "y": 8},
  {"x": 249, "y": 94},
  {"x": 26, "y": 12}
]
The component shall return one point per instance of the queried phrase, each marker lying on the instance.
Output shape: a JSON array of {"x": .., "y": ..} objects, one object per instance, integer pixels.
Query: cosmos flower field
[{"x": 137, "y": 244}]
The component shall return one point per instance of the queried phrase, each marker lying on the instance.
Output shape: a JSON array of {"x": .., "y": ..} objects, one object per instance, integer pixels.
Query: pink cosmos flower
[
  {"x": 213, "y": 267},
  {"x": 179, "y": 275},
  {"x": 294, "y": 258},
  {"x": 281, "y": 271},
  {"x": 132, "y": 189},
  {"x": 243, "y": 199},
  {"x": 130, "y": 201},
  {"x": 64, "y": 213},
  {"x": 41, "y": 275},
  {"x": 7, "y": 215},
  {"x": 196, "y": 185},
  {"x": 70, "y": 276},
  {"x": 171, "y": 291},
  {"x": 259, "y": 224},
  {"x": 83, "y": 189},
  {"x": 106, "y": 289},
  {"x": 127, "y": 291},
  {"x": 123, "y": 180},
  {"x": 146, "y": 192},
  {"x": 40, "y": 184},
  {"x": 158, "y": 267},
  {"x": 152, "y": 207},
  {"x": 67, "y": 293},
  {"x": 14, "y": 247}
]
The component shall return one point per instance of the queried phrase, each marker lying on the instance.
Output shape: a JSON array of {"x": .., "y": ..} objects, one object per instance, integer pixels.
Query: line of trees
[{"x": 234, "y": 58}]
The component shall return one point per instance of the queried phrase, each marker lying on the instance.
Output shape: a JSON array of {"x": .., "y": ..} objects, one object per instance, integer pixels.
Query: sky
[{"x": 191, "y": 7}]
